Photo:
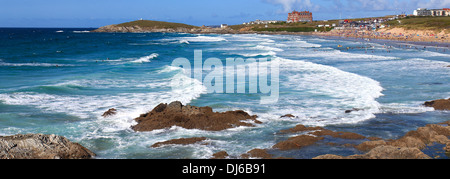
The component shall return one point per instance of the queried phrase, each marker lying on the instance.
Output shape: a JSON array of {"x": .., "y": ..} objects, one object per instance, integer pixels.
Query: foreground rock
[
  {"x": 297, "y": 142},
  {"x": 220, "y": 155},
  {"x": 383, "y": 152},
  {"x": 40, "y": 146},
  {"x": 192, "y": 117},
  {"x": 407, "y": 147},
  {"x": 440, "y": 104}
]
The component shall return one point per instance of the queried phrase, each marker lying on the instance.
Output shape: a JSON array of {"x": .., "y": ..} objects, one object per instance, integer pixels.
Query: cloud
[
  {"x": 435, "y": 4},
  {"x": 289, "y": 5}
]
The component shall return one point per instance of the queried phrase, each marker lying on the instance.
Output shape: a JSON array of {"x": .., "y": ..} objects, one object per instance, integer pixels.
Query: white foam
[
  {"x": 326, "y": 93},
  {"x": 129, "y": 105},
  {"x": 415, "y": 63},
  {"x": 80, "y": 31},
  {"x": 301, "y": 44},
  {"x": 146, "y": 58},
  {"x": 34, "y": 64},
  {"x": 270, "y": 53},
  {"x": 115, "y": 83},
  {"x": 168, "y": 69},
  {"x": 202, "y": 39},
  {"x": 184, "y": 42},
  {"x": 266, "y": 48},
  {"x": 402, "y": 108},
  {"x": 342, "y": 56}
]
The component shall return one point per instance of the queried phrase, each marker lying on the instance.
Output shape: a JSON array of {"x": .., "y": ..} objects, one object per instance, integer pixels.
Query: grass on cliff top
[
  {"x": 288, "y": 27},
  {"x": 422, "y": 23},
  {"x": 156, "y": 24}
]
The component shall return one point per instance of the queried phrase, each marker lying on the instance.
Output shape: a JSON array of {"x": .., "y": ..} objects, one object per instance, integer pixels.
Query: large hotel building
[{"x": 303, "y": 16}]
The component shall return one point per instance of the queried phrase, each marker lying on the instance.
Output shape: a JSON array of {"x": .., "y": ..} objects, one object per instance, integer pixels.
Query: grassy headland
[
  {"x": 147, "y": 26},
  {"x": 436, "y": 24},
  {"x": 156, "y": 24}
]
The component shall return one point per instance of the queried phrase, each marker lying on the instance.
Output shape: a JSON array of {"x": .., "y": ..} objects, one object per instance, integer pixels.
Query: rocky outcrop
[
  {"x": 313, "y": 134},
  {"x": 447, "y": 147},
  {"x": 297, "y": 142},
  {"x": 407, "y": 147},
  {"x": 181, "y": 141},
  {"x": 257, "y": 153},
  {"x": 320, "y": 131},
  {"x": 220, "y": 155},
  {"x": 40, "y": 146},
  {"x": 192, "y": 117},
  {"x": 110, "y": 112},
  {"x": 440, "y": 104},
  {"x": 383, "y": 152}
]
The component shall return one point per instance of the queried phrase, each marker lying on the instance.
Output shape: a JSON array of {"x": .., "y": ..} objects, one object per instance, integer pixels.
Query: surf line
[{"x": 232, "y": 77}]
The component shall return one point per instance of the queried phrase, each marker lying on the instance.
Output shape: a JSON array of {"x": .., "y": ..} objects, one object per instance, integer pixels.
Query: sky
[{"x": 96, "y": 13}]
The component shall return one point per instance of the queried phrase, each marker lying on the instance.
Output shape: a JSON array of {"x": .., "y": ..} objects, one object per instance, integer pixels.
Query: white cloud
[
  {"x": 289, "y": 5},
  {"x": 435, "y": 4},
  {"x": 359, "y": 5}
]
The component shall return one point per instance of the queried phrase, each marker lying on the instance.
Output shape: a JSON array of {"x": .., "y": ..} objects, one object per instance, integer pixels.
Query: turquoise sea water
[{"x": 60, "y": 81}]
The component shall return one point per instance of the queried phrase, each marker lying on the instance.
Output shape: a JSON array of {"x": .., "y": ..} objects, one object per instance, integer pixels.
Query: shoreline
[
  {"x": 377, "y": 40},
  {"x": 417, "y": 37},
  {"x": 314, "y": 34},
  {"x": 396, "y": 35}
]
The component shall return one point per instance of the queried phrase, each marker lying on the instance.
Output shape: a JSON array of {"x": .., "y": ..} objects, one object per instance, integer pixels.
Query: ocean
[{"x": 60, "y": 81}]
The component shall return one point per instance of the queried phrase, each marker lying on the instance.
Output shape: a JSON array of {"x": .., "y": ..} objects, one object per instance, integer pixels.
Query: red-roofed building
[{"x": 303, "y": 16}]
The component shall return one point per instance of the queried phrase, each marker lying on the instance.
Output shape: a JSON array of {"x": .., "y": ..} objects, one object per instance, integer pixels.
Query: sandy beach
[{"x": 397, "y": 34}]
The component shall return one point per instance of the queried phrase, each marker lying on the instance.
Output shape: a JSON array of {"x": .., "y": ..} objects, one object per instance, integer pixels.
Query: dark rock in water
[
  {"x": 440, "y": 104},
  {"x": 288, "y": 115},
  {"x": 110, "y": 112},
  {"x": 432, "y": 83},
  {"x": 354, "y": 109},
  {"x": 192, "y": 117},
  {"x": 40, "y": 146},
  {"x": 181, "y": 141}
]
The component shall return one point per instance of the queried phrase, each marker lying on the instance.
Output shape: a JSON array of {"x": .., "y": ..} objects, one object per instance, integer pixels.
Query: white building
[
  {"x": 432, "y": 12},
  {"x": 261, "y": 22}
]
